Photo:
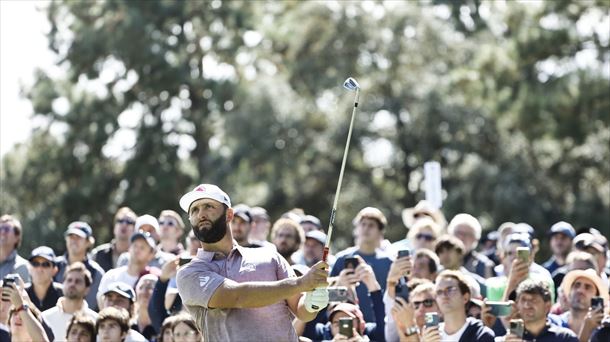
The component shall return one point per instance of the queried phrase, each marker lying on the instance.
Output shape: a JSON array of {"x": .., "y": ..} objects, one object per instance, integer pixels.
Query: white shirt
[
  {"x": 453, "y": 337},
  {"x": 114, "y": 275},
  {"x": 134, "y": 336},
  {"x": 58, "y": 320}
]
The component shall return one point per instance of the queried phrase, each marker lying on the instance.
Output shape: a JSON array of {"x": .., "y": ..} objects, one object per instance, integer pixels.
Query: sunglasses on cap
[
  {"x": 44, "y": 264},
  {"x": 427, "y": 303},
  {"x": 170, "y": 223},
  {"x": 427, "y": 237},
  {"x": 126, "y": 221}
]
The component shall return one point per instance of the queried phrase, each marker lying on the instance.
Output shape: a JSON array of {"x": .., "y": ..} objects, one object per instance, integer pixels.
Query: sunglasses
[
  {"x": 427, "y": 303},
  {"x": 126, "y": 221},
  {"x": 170, "y": 223},
  {"x": 427, "y": 237},
  {"x": 44, "y": 264}
]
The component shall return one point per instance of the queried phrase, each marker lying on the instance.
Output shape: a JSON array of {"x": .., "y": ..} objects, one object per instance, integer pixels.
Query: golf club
[{"x": 351, "y": 85}]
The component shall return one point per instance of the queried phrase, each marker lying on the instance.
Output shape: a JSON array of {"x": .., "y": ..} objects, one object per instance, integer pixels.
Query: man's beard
[
  {"x": 288, "y": 251},
  {"x": 215, "y": 233}
]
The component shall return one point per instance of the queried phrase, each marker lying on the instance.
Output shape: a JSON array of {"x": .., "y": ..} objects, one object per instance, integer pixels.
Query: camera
[
  {"x": 516, "y": 327},
  {"x": 432, "y": 319},
  {"x": 346, "y": 327}
]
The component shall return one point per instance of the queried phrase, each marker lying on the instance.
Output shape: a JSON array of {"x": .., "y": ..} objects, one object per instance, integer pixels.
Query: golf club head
[{"x": 351, "y": 84}]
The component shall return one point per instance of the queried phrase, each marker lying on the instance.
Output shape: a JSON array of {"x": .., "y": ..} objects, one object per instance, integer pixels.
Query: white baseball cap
[
  {"x": 210, "y": 191},
  {"x": 147, "y": 219}
]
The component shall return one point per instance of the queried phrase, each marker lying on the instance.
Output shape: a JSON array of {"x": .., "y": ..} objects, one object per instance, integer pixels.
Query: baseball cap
[
  {"x": 43, "y": 252},
  {"x": 586, "y": 240},
  {"x": 259, "y": 212},
  {"x": 520, "y": 238},
  {"x": 242, "y": 211},
  {"x": 143, "y": 235},
  {"x": 523, "y": 228},
  {"x": 311, "y": 219},
  {"x": 563, "y": 227},
  {"x": 79, "y": 228},
  {"x": 316, "y": 235},
  {"x": 122, "y": 289},
  {"x": 210, "y": 191},
  {"x": 147, "y": 219}
]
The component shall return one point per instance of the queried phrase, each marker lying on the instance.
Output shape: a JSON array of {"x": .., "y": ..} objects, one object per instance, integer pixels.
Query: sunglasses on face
[
  {"x": 126, "y": 221},
  {"x": 427, "y": 237},
  {"x": 44, "y": 264},
  {"x": 427, "y": 303},
  {"x": 170, "y": 223}
]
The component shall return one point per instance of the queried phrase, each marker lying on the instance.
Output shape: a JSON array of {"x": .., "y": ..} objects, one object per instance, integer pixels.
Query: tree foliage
[{"x": 510, "y": 97}]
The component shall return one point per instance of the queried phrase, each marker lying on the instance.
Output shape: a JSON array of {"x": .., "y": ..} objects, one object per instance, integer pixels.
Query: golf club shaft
[{"x": 338, "y": 192}]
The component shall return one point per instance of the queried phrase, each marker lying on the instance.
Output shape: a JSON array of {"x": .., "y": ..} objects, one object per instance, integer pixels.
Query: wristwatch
[{"x": 412, "y": 330}]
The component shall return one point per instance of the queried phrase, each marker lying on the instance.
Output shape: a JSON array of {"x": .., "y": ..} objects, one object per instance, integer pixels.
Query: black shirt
[
  {"x": 50, "y": 299},
  {"x": 551, "y": 333}
]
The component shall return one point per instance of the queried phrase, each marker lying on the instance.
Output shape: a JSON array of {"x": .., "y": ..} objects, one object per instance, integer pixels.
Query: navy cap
[
  {"x": 520, "y": 238},
  {"x": 80, "y": 228},
  {"x": 122, "y": 289},
  {"x": 311, "y": 219},
  {"x": 145, "y": 236},
  {"x": 43, "y": 252},
  {"x": 316, "y": 235},
  {"x": 563, "y": 227},
  {"x": 523, "y": 228}
]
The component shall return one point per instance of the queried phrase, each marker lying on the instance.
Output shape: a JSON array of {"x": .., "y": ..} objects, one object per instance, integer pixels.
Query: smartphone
[
  {"x": 516, "y": 327},
  {"x": 346, "y": 327},
  {"x": 402, "y": 291},
  {"x": 350, "y": 263},
  {"x": 597, "y": 303},
  {"x": 523, "y": 253},
  {"x": 6, "y": 282},
  {"x": 499, "y": 309},
  {"x": 184, "y": 260},
  {"x": 404, "y": 253},
  {"x": 432, "y": 319},
  {"x": 338, "y": 294}
]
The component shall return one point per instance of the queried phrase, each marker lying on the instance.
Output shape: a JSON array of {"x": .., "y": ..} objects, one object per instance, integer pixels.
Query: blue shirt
[{"x": 380, "y": 262}]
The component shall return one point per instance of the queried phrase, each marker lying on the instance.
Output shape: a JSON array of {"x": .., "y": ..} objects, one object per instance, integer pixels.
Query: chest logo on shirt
[
  {"x": 247, "y": 268},
  {"x": 203, "y": 280}
]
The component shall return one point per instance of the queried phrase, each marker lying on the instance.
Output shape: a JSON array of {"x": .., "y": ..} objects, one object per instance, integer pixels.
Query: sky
[{"x": 23, "y": 47}]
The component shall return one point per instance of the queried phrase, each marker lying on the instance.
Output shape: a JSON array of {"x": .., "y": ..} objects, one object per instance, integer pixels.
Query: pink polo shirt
[{"x": 198, "y": 280}]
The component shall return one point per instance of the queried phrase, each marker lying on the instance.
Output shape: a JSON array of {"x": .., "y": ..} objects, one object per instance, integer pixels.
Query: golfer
[{"x": 237, "y": 293}]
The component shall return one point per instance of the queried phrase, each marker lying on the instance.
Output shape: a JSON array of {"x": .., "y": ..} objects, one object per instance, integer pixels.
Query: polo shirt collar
[{"x": 209, "y": 256}]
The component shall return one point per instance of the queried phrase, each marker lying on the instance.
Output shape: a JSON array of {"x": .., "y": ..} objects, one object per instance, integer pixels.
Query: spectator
[
  {"x": 144, "y": 289},
  {"x": 450, "y": 251},
  {"x": 576, "y": 260},
  {"x": 409, "y": 318},
  {"x": 43, "y": 292},
  {"x": 241, "y": 225},
  {"x": 10, "y": 240},
  {"x": 107, "y": 255},
  {"x": 370, "y": 224},
  {"x": 489, "y": 244},
  {"x": 468, "y": 229},
  {"x": 165, "y": 335},
  {"x": 24, "y": 319},
  {"x": 149, "y": 225},
  {"x": 79, "y": 239},
  {"x": 579, "y": 286},
  {"x": 311, "y": 223},
  {"x": 330, "y": 330},
  {"x": 561, "y": 236},
  {"x": 423, "y": 209},
  {"x": 5, "y": 306},
  {"x": 287, "y": 236},
  {"x": 596, "y": 245},
  {"x": 261, "y": 226},
  {"x": 425, "y": 265},
  {"x": 163, "y": 303},
  {"x": 77, "y": 282},
  {"x": 142, "y": 251},
  {"x": 192, "y": 244},
  {"x": 171, "y": 229},
  {"x": 234, "y": 290},
  {"x": 313, "y": 250},
  {"x": 81, "y": 329},
  {"x": 503, "y": 287},
  {"x": 184, "y": 329},
  {"x": 122, "y": 296},
  {"x": 424, "y": 233},
  {"x": 112, "y": 325},
  {"x": 452, "y": 295},
  {"x": 533, "y": 306}
]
